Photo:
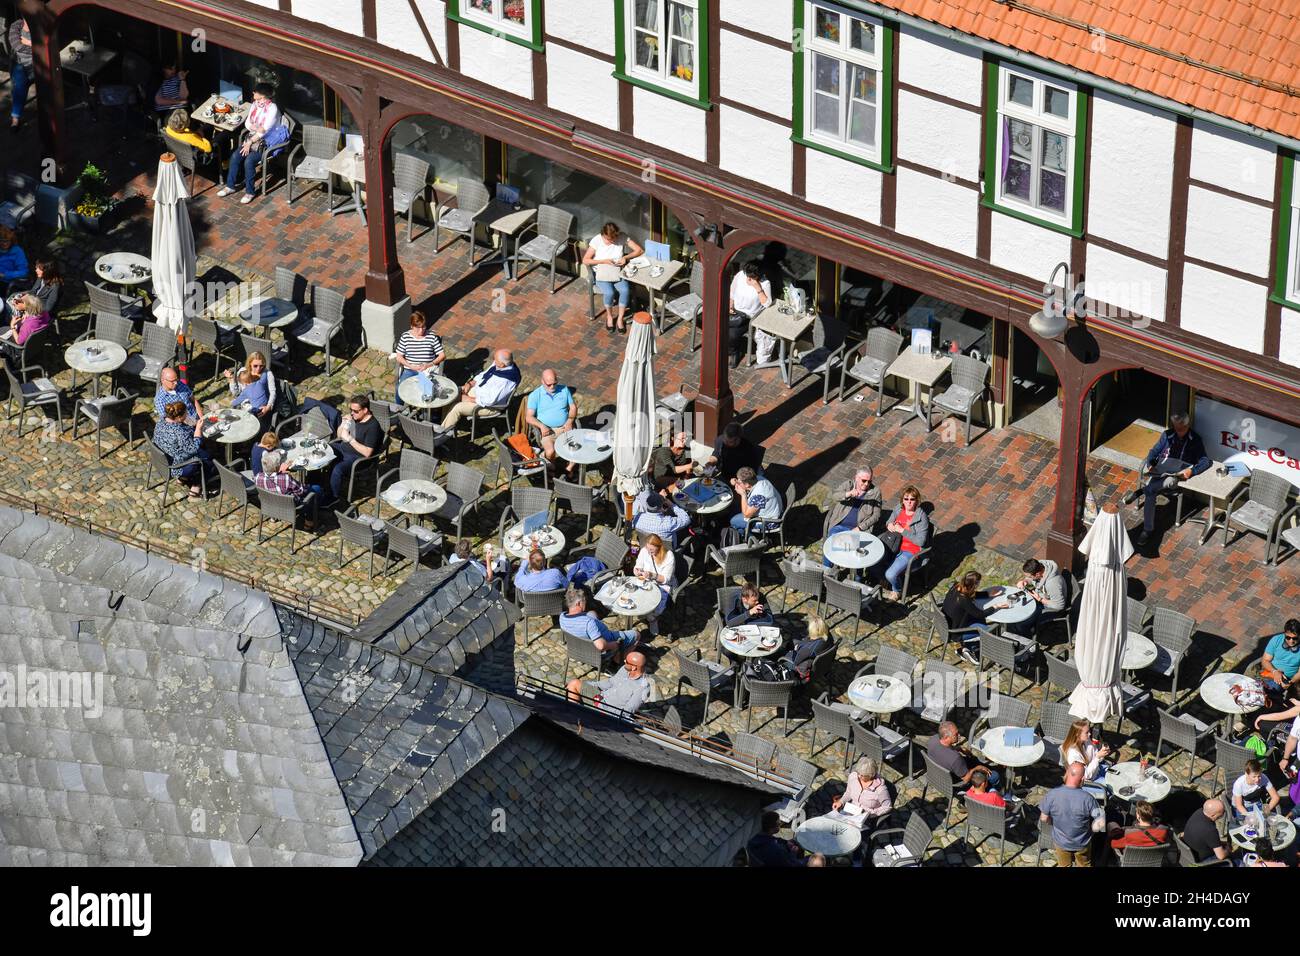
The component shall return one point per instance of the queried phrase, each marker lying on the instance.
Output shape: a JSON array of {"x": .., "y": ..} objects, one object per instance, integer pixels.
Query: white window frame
[
  {"x": 496, "y": 20},
  {"x": 1293, "y": 250},
  {"x": 1037, "y": 116},
  {"x": 661, "y": 77},
  {"x": 846, "y": 55}
]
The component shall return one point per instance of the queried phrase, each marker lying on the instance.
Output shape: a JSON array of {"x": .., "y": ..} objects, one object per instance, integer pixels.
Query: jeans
[
  {"x": 248, "y": 164},
  {"x": 607, "y": 290},
  {"x": 737, "y": 323},
  {"x": 341, "y": 469},
  {"x": 402, "y": 376},
  {"x": 894, "y": 573},
  {"x": 1157, "y": 484},
  {"x": 20, "y": 81},
  {"x": 190, "y": 473},
  {"x": 1026, "y": 628},
  {"x": 738, "y": 521}
]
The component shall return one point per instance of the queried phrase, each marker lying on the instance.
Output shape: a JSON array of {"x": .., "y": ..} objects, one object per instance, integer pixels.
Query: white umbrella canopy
[
  {"x": 1103, "y": 619},
  {"x": 173, "y": 245},
  {"x": 634, "y": 410}
]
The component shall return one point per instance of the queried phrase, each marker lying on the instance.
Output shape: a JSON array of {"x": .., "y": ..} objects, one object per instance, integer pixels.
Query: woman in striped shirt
[{"x": 418, "y": 350}]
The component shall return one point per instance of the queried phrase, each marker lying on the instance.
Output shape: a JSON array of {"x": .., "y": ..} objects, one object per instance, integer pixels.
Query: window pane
[
  {"x": 1054, "y": 155},
  {"x": 681, "y": 20},
  {"x": 484, "y": 6},
  {"x": 862, "y": 123},
  {"x": 1022, "y": 139},
  {"x": 826, "y": 71},
  {"x": 862, "y": 35},
  {"x": 1057, "y": 102},
  {"x": 1017, "y": 179},
  {"x": 828, "y": 25},
  {"x": 647, "y": 50},
  {"x": 1051, "y": 192},
  {"x": 451, "y": 151},
  {"x": 592, "y": 201},
  {"x": 682, "y": 63},
  {"x": 1021, "y": 90},
  {"x": 647, "y": 14},
  {"x": 862, "y": 83},
  {"x": 826, "y": 114}
]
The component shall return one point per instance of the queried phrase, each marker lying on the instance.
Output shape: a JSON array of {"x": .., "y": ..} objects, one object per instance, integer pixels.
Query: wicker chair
[
  {"x": 891, "y": 662},
  {"x": 882, "y": 744},
  {"x": 410, "y": 182},
  {"x": 910, "y": 851},
  {"x": 464, "y": 486},
  {"x": 969, "y": 381},
  {"x": 471, "y": 200},
  {"x": 1002, "y": 653},
  {"x": 411, "y": 542},
  {"x": 412, "y": 465},
  {"x": 553, "y": 230},
  {"x": 760, "y": 693},
  {"x": 362, "y": 532},
  {"x": 1139, "y": 615},
  {"x": 243, "y": 490},
  {"x": 610, "y": 550},
  {"x": 583, "y": 652},
  {"x": 104, "y": 301},
  {"x": 868, "y": 361},
  {"x": 515, "y": 467},
  {"x": 1182, "y": 732},
  {"x": 421, "y": 435},
  {"x": 1060, "y": 673},
  {"x": 937, "y": 690},
  {"x": 689, "y": 307},
  {"x": 941, "y": 779},
  {"x": 319, "y": 145},
  {"x": 1265, "y": 497},
  {"x": 940, "y": 629},
  {"x": 157, "y": 348},
  {"x": 1055, "y": 720},
  {"x": 109, "y": 411},
  {"x": 704, "y": 676},
  {"x": 755, "y": 749},
  {"x": 326, "y": 323},
  {"x": 1231, "y": 759},
  {"x": 1002, "y": 711},
  {"x": 1172, "y": 633},
  {"x": 284, "y": 508},
  {"x": 807, "y": 582},
  {"x": 1145, "y": 856},
  {"x": 548, "y": 604},
  {"x": 575, "y": 499},
  {"x": 158, "y": 462},
  {"x": 738, "y": 561},
  {"x": 832, "y": 721},
  {"x": 989, "y": 820},
  {"x": 218, "y": 339},
  {"x": 848, "y": 598}
]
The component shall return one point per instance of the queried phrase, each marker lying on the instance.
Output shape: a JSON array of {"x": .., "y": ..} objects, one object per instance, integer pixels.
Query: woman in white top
[
  {"x": 262, "y": 118},
  {"x": 607, "y": 254},
  {"x": 1079, "y": 747},
  {"x": 656, "y": 563},
  {"x": 750, "y": 295}
]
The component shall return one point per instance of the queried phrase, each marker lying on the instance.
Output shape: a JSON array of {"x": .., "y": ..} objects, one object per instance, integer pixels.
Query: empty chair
[
  {"x": 703, "y": 676},
  {"x": 937, "y": 690},
  {"x": 1231, "y": 760},
  {"x": 941, "y": 779},
  {"x": 891, "y": 662},
  {"x": 471, "y": 200},
  {"x": 422, "y": 435},
  {"x": 969, "y": 379},
  {"x": 237, "y": 486},
  {"x": 309, "y": 160},
  {"x": 547, "y": 604},
  {"x": 464, "y": 486},
  {"x": 580, "y": 651},
  {"x": 110, "y": 328},
  {"x": 1002, "y": 653},
  {"x": 867, "y": 363},
  {"x": 989, "y": 820},
  {"x": 738, "y": 561},
  {"x": 516, "y": 467},
  {"x": 104, "y": 301},
  {"x": 553, "y": 228},
  {"x": 887, "y": 851},
  {"x": 882, "y": 744},
  {"x": 1258, "y": 507},
  {"x": 847, "y": 597},
  {"x": 526, "y": 500},
  {"x": 756, "y": 750},
  {"x": 805, "y": 581},
  {"x": 220, "y": 340},
  {"x": 802, "y": 774},
  {"x": 410, "y": 182},
  {"x": 413, "y": 542},
  {"x": 326, "y": 324},
  {"x": 1002, "y": 711},
  {"x": 292, "y": 287},
  {"x": 284, "y": 508},
  {"x": 690, "y": 307},
  {"x": 411, "y": 465},
  {"x": 1172, "y": 633},
  {"x": 1183, "y": 732},
  {"x": 365, "y": 533},
  {"x": 832, "y": 721},
  {"x": 610, "y": 550},
  {"x": 761, "y": 693},
  {"x": 1139, "y": 615},
  {"x": 575, "y": 499},
  {"x": 1060, "y": 673},
  {"x": 313, "y": 422},
  {"x": 38, "y": 392},
  {"x": 109, "y": 411},
  {"x": 157, "y": 348}
]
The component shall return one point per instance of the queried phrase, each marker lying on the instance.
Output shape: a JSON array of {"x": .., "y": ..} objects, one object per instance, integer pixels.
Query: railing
[
  {"x": 306, "y": 604},
  {"x": 701, "y": 748}
]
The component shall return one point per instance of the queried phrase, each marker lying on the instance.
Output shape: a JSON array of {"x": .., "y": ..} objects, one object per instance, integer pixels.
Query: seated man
[
  {"x": 979, "y": 790},
  {"x": 580, "y": 622},
  {"x": 1280, "y": 668},
  {"x": 551, "y": 410},
  {"x": 1177, "y": 454},
  {"x": 733, "y": 451},
  {"x": 856, "y": 506},
  {"x": 747, "y": 608},
  {"x": 491, "y": 388},
  {"x": 1144, "y": 832},
  {"x": 359, "y": 436},
  {"x": 1253, "y": 791},
  {"x": 1202, "y": 833},
  {"x": 172, "y": 389},
  {"x": 1046, "y": 585},
  {"x": 534, "y": 575},
  {"x": 758, "y": 498},
  {"x": 944, "y": 751},
  {"x": 276, "y": 476},
  {"x": 662, "y": 517},
  {"x": 767, "y": 849},
  {"x": 179, "y": 441},
  {"x": 750, "y": 295},
  {"x": 671, "y": 463},
  {"x": 627, "y": 690}
]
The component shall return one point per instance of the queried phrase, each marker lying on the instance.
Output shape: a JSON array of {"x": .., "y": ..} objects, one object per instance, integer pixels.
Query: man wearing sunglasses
[{"x": 1280, "y": 668}]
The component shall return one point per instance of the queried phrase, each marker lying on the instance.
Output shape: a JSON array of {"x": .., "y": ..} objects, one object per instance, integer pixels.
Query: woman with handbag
[
  {"x": 907, "y": 532},
  {"x": 262, "y": 132}
]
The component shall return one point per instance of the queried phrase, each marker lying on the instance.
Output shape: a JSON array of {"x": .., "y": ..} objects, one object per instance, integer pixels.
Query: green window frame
[
  {"x": 688, "y": 30},
  {"x": 846, "y": 62},
  {"x": 1286, "y": 287},
  {"x": 471, "y": 13},
  {"x": 1039, "y": 127}
]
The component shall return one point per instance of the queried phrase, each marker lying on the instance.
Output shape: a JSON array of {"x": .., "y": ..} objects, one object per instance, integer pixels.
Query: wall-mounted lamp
[
  {"x": 1060, "y": 304},
  {"x": 709, "y": 232}
]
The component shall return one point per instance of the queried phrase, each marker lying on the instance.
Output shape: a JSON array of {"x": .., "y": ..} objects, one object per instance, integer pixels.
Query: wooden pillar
[
  {"x": 48, "y": 80},
  {"x": 385, "y": 281},
  {"x": 714, "y": 406},
  {"x": 1067, "y": 511}
]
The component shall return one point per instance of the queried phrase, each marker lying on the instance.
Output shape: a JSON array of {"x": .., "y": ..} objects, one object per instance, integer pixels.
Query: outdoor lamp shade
[{"x": 1049, "y": 321}]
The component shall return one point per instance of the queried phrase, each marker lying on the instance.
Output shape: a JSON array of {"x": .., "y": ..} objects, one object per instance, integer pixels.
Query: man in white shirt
[
  {"x": 750, "y": 295},
  {"x": 491, "y": 388}
]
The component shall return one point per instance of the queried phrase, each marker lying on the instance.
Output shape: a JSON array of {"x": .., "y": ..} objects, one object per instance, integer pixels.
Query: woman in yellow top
[{"x": 178, "y": 128}]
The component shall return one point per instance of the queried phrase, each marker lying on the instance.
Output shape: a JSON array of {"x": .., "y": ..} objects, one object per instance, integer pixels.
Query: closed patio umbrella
[
  {"x": 1103, "y": 619},
  {"x": 173, "y": 245},
  {"x": 634, "y": 412}
]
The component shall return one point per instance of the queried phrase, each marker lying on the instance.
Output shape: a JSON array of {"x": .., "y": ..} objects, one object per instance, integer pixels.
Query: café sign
[{"x": 1233, "y": 434}]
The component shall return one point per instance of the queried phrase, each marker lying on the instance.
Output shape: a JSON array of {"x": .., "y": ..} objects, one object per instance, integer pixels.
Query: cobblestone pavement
[{"x": 992, "y": 501}]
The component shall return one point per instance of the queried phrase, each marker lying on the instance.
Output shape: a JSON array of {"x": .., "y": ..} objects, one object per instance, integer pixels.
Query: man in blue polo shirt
[
  {"x": 1281, "y": 664},
  {"x": 579, "y": 623},
  {"x": 551, "y": 410}
]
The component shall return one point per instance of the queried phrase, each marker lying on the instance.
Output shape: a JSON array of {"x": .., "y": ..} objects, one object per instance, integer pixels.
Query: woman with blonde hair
[
  {"x": 1080, "y": 747},
  {"x": 656, "y": 563},
  {"x": 29, "y": 320},
  {"x": 261, "y": 388},
  {"x": 178, "y": 129}
]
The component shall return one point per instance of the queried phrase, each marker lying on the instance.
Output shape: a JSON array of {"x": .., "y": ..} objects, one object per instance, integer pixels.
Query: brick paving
[{"x": 992, "y": 500}]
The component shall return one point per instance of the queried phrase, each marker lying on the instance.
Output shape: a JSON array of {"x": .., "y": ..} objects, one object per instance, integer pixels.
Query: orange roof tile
[{"x": 1243, "y": 54}]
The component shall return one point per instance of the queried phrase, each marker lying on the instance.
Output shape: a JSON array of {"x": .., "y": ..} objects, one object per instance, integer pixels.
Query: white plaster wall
[
  {"x": 1223, "y": 308},
  {"x": 495, "y": 60},
  {"x": 936, "y": 211},
  {"x": 941, "y": 66},
  {"x": 668, "y": 123},
  {"x": 773, "y": 18},
  {"x": 1025, "y": 248},
  {"x": 1233, "y": 160},
  {"x": 844, "y": 186},
  {"x": 397, "y": 27},
  {"x": 1289, "y": 351},
  {"x": 1132, "y": 156},
  {"x": 755, "y": 148},
  {"x": 756, "y": 74},
  {"x": 581, "y": 86},
  {"x": 274, "y": 4},
  {"x": 579, "y": 21},
  {"x": 1125, "y": 283},
  {"x": 1228, "y": 232},
  {"x": 342, "y": 15},
  {"x": 939, "y": 136}
]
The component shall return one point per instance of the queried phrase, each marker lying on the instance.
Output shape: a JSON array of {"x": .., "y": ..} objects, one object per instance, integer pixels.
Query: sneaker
[
  {"x": 246, "y": 199},
  {"x": 966, "y": 654},
  {"x": 1143, "y": 537},
  {"x": 223, "y": 192},
  {"x": 1132, "y": 496}
]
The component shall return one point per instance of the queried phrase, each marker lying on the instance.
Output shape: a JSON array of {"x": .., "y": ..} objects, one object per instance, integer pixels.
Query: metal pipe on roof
[{"x": 1078, "y": 76}]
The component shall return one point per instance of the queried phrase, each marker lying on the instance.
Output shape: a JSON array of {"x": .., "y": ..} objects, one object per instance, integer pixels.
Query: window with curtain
[
  {"x": 661, "y": 43},
  {"x": 844, "y": 80},
  {"x": 1035, "y": 131},
  {"x": 515, "y": 20}
]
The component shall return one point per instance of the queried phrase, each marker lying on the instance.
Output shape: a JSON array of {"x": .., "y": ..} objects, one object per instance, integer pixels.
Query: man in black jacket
[
  {"x": 768, "y": 849},
  {"x": 1178, "y": 454},
  {"x": 747, "y": 608}
]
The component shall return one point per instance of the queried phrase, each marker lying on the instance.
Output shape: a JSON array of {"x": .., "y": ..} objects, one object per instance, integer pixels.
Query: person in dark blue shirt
[
  {"x": 768, "y": 849},
  {"x": 1178, "y": 454}
]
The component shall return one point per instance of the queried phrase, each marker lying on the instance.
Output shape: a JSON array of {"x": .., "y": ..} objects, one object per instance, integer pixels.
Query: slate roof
[{"x": 201, "y": 755}]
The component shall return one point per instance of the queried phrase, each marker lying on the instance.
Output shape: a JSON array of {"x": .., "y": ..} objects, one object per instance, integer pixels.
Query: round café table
[
  {"x": 629, "y": 597},
  {"x": 583, "y": 447},
  {"x": 750, "y": 641},
  {"x": 1022, "y": 606},
  {"x": 415, "y": 496},
  {"x": 267, "y": 312},
  {"x": 879, "y": 694},
  {"x": 307, "y": 451},
  {"x": 1216, "y": 692},
  {"x": 94, "y": 357},
  {"x": 445, "y": 392},
  {"x": 127, "y": 270},
  {"x": 550, "y": 539},
  {"x": 828, "y": 836},
  {"x": 1139, "y": 652},
  {"x": 1281, "y": 833},
  {"x": 991, "y": 743},
  {"x": 854, "y": 550},
  {"x": 232, "y": 426},
  {"x": 1127, "y": 781},
  {"x": 697, "y": 498}
]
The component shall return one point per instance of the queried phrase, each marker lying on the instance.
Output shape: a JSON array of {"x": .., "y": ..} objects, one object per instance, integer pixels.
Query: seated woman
[
  {"x": 534, "y": 575},
  {"x": 607, "y": 253},
  {"x": 960, "y": 609},
  {"x": 178, "y": 129},
  {"x": 258, "y": 370},
  {"x": 13, "y": 261},
  {"x": 29, "y": 320},
  {"x": 1079, "y": 747},
  {"x": 912, "y": 527},
  {"x": 180, "y": 442},
  {"x": 656, "y": 562},
  {"x": 866, "y": 797},
  {"x": 49, "y": 283}
]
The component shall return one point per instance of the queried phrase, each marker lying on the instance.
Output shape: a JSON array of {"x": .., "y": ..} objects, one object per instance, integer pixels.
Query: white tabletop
[
  {"x": 305, "y": 450},
  {"x": 894, "y": 696},
  {"x": 828, "y": 836},
  {"x": 582, "y": 446},
  {"x": 351, "y": 166},
  {"x": 1281, "y": 833},
  {"x": 991, "y": 744},
  {"x": 111, "y": 356},
  {"x": 512, "y": 222},
  {"x": 783, "y": 325},
  {"x": 1213, "y": 485},
  {"x": 1139, "y": 652},
  {"x": 225, "y": 121},
  {"x": 853, "y": 549},
  {"x": 922, "y": 369},
  {"x": 415, "y": 496},
  {"x": 86, "y": 60},
  {"x": 551, "y": 540},
  {"x": 1215, "y": 692},
  {"x": 643, "y": 276},
  {"x": 629, "y": 596},
  {"x": 116, "y": 267},
  {"x": 1014, "y": 614},
  {"x": 286, "y": 313},
  {"x": 445, "y": 392},
  {"x": 720, "y": 501},
  {"x": 1153, "y": 788},
  {"x": 747, "y": 640},
  {"x": 241, "y": 425}
]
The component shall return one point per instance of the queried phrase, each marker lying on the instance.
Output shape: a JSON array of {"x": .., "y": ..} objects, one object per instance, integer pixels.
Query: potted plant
[{"x": 91, "y": 199}]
